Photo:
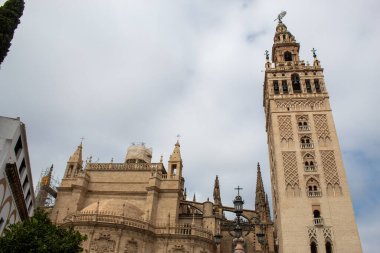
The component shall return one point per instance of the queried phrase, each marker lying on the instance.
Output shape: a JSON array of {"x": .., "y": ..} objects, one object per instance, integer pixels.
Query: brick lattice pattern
[
  {"x": 285, "y": 126},
  {"x": 329, "y": 167},
  {"x": 321, "y": 126},
  {"x": 290, "y": 168}
]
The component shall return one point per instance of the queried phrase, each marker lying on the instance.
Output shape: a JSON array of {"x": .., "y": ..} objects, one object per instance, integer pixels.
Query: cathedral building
[
  {"x": 139, "y": 206},
  {"x": 142, "y": 207}
]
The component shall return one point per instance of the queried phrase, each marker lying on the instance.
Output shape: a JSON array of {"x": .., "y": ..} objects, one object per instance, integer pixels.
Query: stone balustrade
[
  {"x": 307, "y": 145},
  {"x": 125, "y": 166},
  {"x": 314, "y": 194},
  {"x": 303, "y": 128},
  {"x": 83, "y": 218},
  {"x": 318, "y": 221},
  {"x": 310, "y": 168}
]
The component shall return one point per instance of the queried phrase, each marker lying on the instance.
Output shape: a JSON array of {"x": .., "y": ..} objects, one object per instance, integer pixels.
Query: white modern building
[{"x": 17, "y": 200}]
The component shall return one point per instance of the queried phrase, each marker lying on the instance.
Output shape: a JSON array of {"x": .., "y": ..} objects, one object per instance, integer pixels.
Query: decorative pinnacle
[{"x": 314, "y": 52}]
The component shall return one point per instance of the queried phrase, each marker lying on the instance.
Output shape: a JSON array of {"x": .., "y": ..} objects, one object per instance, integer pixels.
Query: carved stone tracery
[
  {"x": 290, "y": 170},
  {"x": 329, "y": 167},
  {"x": 300, "y": 105},
  {"x": 321, "y": 126},
  {"x": 285, "y": 127}
]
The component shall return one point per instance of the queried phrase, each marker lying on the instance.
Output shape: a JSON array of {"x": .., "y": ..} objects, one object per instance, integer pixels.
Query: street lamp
[{"x": 239, "y": 228}]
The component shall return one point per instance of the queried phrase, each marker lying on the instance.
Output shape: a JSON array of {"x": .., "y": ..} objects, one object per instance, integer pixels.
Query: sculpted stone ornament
[{"x": 103, "y": 244}]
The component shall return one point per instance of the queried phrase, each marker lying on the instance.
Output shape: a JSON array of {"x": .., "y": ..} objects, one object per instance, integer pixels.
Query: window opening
[
  {"x": 308, "y": 86},
  {"x": 285, "y": 87},
  {"x": 22, "y": 167},
  {"x": 18, "y": 147},
  {"x": 328, "y": 247},
  {"x": 317, "y": 86},
  {"x": 313, "y": 247},
  {"x": 276, "y": 88},
  {"x": 296, "y": 84},
  {"x": 288, "y": 56}
]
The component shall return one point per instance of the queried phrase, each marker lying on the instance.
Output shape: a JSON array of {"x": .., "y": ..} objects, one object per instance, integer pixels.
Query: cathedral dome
[{"x": 115, "y": 207}]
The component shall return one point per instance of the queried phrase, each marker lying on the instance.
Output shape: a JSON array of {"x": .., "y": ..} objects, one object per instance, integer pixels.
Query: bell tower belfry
[{"x": 312, "y": 206}]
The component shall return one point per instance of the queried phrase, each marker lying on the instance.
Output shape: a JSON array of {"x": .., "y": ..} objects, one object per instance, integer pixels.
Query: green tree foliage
[
  {"x": 10, "y": 14},
  {"x": 38, "y": 234}
]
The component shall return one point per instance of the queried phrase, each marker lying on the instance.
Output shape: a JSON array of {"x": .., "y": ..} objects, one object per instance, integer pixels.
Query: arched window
[
  {"x": 288, "y": 56},
  {"x": 313, "y": 247},
  {"x": 316, "y": 214},
  {"x": 309, "y": 163},
  {"x": 303, "y": 124},
  {"x": 328, "y": 247},
  {"x": 313, "y": 189},
  {"x": 296, "y": 84},
  {"x": 306, "y": 142}
]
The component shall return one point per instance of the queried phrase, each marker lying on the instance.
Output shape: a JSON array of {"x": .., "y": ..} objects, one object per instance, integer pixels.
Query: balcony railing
[
  {"x": 318, "y": 221},
  {"x": 310, "y": 168},
  {"x": 307, "y": 145},
  {"x": 303, "y": 128},
  {"x": 313, "y": 194}
]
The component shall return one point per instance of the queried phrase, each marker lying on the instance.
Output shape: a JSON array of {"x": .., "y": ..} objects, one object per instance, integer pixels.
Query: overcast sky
[{"x": 118, "y": 71}]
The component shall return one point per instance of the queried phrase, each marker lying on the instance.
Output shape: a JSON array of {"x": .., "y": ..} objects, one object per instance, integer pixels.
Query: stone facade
[
  {"x": 141, "y": 207},
  {"x": 311, "y": 199}
]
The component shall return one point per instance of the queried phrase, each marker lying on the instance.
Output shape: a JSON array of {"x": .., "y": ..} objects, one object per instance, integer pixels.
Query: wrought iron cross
[
  {"x": 238, "y": 189},
  {"x": 267, "y": 54},
  {"x": 81, "y": 139}
]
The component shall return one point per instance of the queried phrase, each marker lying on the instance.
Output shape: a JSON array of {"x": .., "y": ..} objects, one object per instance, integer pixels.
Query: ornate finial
[
  {"x": 238, "y": 189},
  {"x": 314, "y": 52},
  {"x": 266, "y": 55},
  {"x": 111, "y": 159},
  {"x": 81, "y": 140},
  {"x": 161, "y": 158},
  {"x": 280, "y": 16}
]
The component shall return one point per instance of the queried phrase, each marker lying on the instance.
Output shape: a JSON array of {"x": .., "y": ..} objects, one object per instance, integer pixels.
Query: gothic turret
[
  {"x": 175, "y": 161},
  {"x": 74, "y": 165},
  {"x": 285, "y": 47}
]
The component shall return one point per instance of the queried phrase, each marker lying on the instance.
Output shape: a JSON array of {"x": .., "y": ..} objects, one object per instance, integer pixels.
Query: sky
[{"x": 121, "y": 71}]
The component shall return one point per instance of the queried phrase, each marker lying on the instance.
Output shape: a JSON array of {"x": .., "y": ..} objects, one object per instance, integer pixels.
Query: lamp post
[{"x": 240, "y": 228}]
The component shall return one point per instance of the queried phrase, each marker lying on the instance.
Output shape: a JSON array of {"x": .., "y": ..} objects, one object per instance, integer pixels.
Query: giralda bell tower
[{"x": 311, "y": 198}]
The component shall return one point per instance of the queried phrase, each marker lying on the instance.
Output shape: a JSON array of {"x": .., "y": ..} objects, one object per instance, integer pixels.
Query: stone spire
[
  {"x": 77, "y": 156},
  {"x": 175, "y": 161},
  {"x": 194, "y": 199},
  {"x": 74, "y": 165},
  {"x": 217, "y": 199},
  {"x": 260, "y": 193},
  {"x": 176, "y": 155},
  {"x": 261, "y": 201}
]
